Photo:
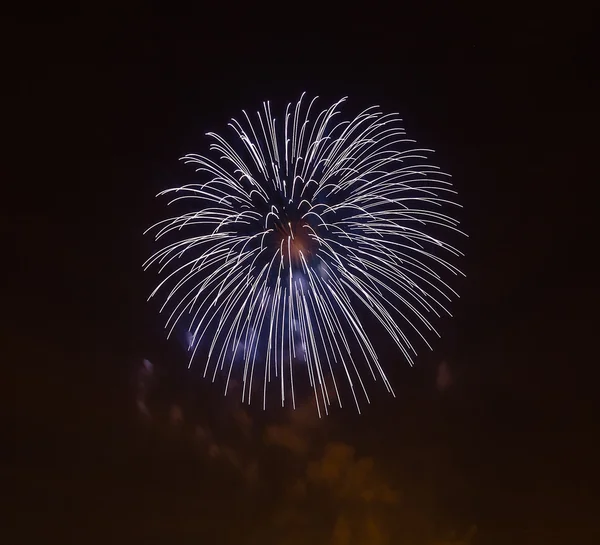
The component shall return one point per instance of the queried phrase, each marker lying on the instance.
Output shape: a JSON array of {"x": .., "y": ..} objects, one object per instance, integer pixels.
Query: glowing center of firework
[{"x": 295, "y": 243}]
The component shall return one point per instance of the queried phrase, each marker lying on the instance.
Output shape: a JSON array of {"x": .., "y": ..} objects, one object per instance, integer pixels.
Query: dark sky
[{"x": 99, "y": 111}]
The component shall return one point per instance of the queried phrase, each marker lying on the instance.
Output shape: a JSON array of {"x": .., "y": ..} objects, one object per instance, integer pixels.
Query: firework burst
[{"x": 298, "y": 229}]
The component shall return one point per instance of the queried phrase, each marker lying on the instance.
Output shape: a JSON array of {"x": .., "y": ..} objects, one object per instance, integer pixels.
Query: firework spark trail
[{"x": 299, "y": 223}]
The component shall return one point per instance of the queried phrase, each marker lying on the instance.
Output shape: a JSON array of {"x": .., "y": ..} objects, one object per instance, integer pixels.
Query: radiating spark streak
[{"x": 300, "y": 228}]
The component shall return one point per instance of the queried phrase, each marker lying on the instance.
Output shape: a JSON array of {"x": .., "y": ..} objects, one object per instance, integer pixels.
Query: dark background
[{"x": 98, "y": 111}]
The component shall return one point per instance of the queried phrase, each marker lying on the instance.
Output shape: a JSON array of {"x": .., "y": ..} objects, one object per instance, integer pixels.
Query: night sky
[{"x": 100, "y": 110}]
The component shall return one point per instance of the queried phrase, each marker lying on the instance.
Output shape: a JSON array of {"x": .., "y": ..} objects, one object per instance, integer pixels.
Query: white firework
[{"x": 299, "y": 229}]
